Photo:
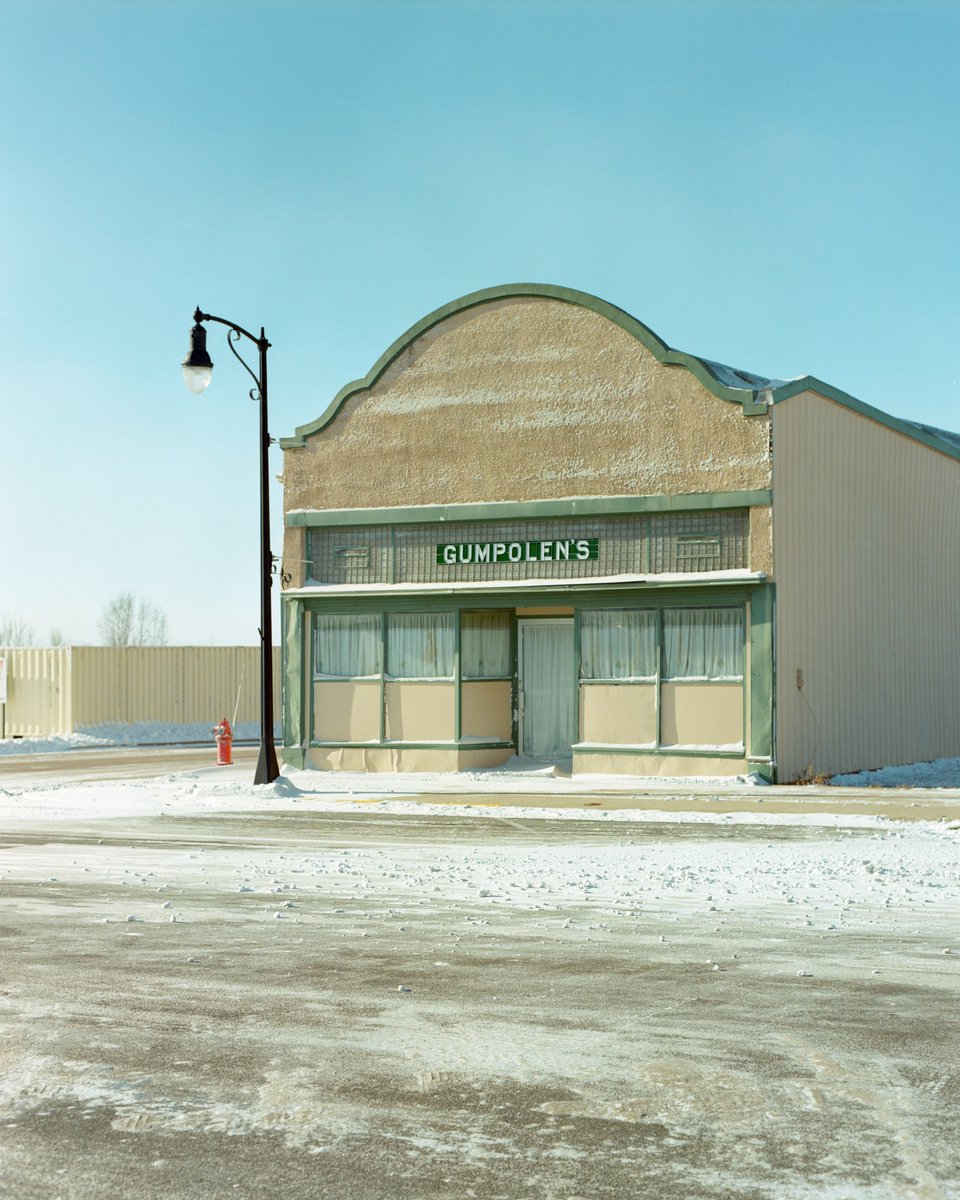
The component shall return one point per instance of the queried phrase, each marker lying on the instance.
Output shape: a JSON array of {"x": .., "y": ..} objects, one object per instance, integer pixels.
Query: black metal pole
[{"x": 267, "y": 769}]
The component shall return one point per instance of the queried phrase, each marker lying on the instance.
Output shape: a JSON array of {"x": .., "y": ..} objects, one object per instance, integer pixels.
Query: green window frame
[
  {"x": 347, "y": 646},
  {"x": 618, "y": 644},
  {"x": 703, "y": 643}
]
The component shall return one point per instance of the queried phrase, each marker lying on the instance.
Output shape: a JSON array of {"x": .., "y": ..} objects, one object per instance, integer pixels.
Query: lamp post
[{"x": 197, "y": 372}]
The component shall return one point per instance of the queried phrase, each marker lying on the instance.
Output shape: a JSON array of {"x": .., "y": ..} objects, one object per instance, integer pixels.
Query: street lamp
[{"x": 197, "y": 373}]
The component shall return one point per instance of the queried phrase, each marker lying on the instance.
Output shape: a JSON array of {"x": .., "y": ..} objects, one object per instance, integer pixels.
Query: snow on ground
[
  {"x": 816, "y": 865},
  {"x": 714, "y": 975},
  {"x": 882, "y": 879}
]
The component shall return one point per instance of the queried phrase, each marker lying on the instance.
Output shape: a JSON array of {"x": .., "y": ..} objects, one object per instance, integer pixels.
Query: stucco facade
[
  {"x": 575, "y": 405},
  {"x": 534, "y": 528}
]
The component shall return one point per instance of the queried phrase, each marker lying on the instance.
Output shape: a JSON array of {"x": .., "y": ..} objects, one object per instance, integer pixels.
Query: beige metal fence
[{"x": 58, "y": 691}]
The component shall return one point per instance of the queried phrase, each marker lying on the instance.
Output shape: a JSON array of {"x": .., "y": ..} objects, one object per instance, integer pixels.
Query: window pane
[
  {"x": 420, "y": 645},
  {"x": 485, "y": 645},
  {"x": 618, "y": 644},
  {"x": 703, "y": 643},
  {"x": 346, "y": 646}
]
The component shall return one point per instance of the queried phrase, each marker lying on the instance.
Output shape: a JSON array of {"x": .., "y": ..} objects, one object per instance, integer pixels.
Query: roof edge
[
  {"x": 755, "y": 396},
  {"x": 925, "y": 435}
]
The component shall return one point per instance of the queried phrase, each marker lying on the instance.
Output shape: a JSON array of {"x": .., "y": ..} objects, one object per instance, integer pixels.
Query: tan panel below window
[
  {"x": 618, "y": 714},
  {"x": 420, "y": 712},
  {"x": 701, "y": 714},
  {"x": 485, "y": 710},
  {"x": 346, "y": 710}
]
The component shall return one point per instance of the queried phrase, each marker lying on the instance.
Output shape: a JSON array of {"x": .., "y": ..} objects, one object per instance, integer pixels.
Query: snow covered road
[{"x": 214, "y": 990}]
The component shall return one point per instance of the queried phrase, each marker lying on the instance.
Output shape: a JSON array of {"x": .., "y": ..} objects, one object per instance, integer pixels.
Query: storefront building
[{"x": 534, "y": 529}]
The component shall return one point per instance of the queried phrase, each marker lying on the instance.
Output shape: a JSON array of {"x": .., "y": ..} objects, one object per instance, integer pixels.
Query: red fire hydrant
[{"x": 224, "y": 739}]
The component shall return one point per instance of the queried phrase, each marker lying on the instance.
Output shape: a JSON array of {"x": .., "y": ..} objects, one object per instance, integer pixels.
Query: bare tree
[
  {"x": 128, "y": 622},
  {"x": 57, "y": 637},
  {"x": 116, "y": 621},
  {"x": 14, "y": 631},
  {"x": 151, "y": 626}
]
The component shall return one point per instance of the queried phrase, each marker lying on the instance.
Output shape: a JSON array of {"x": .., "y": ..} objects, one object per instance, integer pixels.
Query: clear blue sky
[{"x": 770, "y": 183}]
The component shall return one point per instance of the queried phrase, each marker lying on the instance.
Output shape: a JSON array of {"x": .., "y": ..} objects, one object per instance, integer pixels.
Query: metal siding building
[
  {"x": 866, "y": 520},
  {"x": 535, "y": 528}
]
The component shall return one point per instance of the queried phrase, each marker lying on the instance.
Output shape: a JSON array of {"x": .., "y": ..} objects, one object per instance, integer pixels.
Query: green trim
[
  {"x": 762, "y": 679},
  {"x": 658, "y": 683},
  {"x": 411, "y": 745},
  {"x": 660, "y": 679},
  {"x": 458, "y": 678},
  {"x": 577, "y": 593},
  {"x": 515, "y": 678},
  {"x": 661, "y": 751},
  {"x": 560, "y": 619},
  {"x": 383, "y": 680},
  {"x": 294, "y": 756},
  {"x": 577, "y": 671},
  {"x": 311, "y": 669},
  {"x": 758, "y": 724},
  {"x": 512, "y": 510},
  {"x": 291, "y": 672}
]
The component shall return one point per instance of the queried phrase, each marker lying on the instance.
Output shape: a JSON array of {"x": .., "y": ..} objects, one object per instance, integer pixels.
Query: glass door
[{"x": 548, "y": 718}]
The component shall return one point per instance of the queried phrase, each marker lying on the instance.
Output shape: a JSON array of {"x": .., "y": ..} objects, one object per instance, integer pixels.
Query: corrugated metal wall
[
  {"x": 38, "y": 693},
  {"x": 60, "y": 690},
  {"x": 867, "y": 570}
]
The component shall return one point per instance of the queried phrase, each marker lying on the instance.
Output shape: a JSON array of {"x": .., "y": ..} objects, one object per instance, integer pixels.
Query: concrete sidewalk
[
  {"x": 901, "y": 804},
  {"x": 534, "y": 789}
]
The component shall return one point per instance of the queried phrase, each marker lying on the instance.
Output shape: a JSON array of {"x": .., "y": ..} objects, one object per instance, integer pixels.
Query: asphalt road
[{"x": 202, "y": 1007}]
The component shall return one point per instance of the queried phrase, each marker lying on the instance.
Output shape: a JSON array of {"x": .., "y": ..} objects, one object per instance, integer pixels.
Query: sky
[{"x": 772, "y": 184}]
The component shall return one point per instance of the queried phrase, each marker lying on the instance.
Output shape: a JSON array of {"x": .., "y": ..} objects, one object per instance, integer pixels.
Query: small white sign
[{"x": 3, "y": 680}]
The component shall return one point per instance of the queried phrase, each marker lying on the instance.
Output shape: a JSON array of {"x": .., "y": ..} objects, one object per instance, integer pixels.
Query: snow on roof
[
  {"x": 744, "y": 380},
  {"x": 314, "y": 588},
  {"x": 952, "y": 439}
]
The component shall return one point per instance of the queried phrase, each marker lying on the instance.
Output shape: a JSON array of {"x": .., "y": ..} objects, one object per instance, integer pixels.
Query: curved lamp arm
[
  {"x": 197, "y": 373},
  {"x": 261, "y": 341}
]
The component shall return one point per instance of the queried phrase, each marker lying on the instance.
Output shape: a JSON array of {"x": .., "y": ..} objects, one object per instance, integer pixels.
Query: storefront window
[
  {"x": 703, "y": 643},
  {"x": 420, "y": 645},
  {"x": 346, "y": 646},
  {"x": 485, "y": 645},
  {"x": 618, "y": 643}
]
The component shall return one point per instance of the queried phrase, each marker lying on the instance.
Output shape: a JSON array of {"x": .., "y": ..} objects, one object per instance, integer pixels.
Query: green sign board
[{"x": 546, "y": 550}]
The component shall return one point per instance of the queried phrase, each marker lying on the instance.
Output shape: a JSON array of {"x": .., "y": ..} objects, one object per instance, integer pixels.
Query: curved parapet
[{"x": 727, "y": 383}]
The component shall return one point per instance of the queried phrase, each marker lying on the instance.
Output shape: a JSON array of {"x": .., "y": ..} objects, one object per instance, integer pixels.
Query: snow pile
[{"x": 942, "y": 773}]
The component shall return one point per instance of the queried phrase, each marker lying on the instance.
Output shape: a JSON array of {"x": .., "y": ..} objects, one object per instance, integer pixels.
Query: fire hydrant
[{"x": 224, "y": 739}]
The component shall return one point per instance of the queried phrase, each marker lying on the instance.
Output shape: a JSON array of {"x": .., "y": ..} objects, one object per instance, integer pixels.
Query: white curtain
[
  {"x": 485, "y": 645},
  {"x": 346, "y": 646},
  {"x": 703, "y": 643},
  {"x": 618, "y": 644},
  {"x": 420, "y": 645},
  {"x": 549, "y": 680}
]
